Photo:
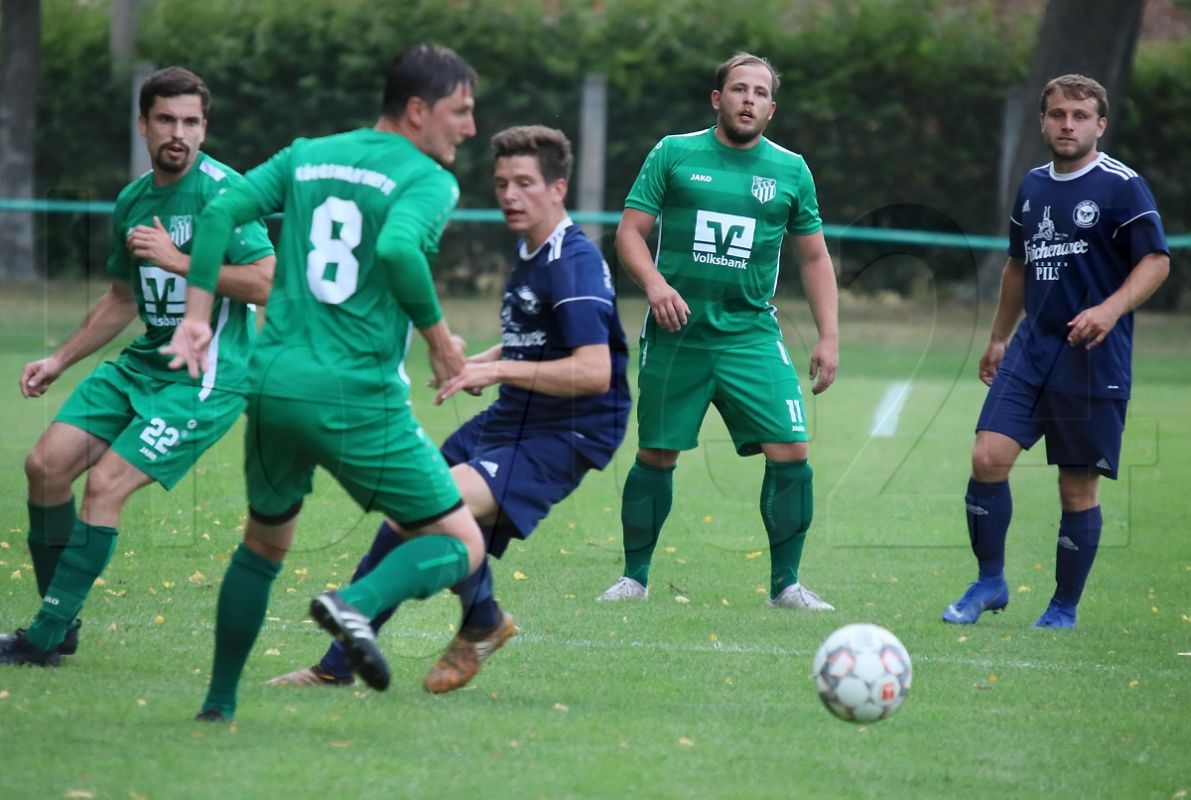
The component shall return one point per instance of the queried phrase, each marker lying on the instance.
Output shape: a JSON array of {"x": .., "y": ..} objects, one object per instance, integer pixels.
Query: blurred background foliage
[{"x": 897, "y": 105}]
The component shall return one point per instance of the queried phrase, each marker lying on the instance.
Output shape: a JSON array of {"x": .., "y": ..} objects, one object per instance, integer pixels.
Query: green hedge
[{"x": 897, "y": 104}]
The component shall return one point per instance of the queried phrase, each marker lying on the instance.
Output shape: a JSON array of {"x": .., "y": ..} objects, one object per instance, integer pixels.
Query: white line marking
[{"x": 885, "y": 418}]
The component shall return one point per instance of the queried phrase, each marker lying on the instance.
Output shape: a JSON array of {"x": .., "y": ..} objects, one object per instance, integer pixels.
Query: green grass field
[{"x": 702, "y": 692}]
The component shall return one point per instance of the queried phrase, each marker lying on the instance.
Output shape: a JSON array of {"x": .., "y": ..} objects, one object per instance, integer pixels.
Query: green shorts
[
  {"x": 755, "y": 389},
  {"x": 159, "y": 427},
  {"x": 382, "y": 457}
]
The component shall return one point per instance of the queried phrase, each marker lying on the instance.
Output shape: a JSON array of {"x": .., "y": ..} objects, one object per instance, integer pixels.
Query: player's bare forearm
[
  {"x": 665, "y": 303},
  {"x": 587, "y": 371},
  {"x": 110, "y": 315},
  {"x": 247, "y": 283},
  {"x": 1011, "y": 301},
  {"x": 822, "y": 292},
  {"x": 1091, "y": 326},
  {"x": 484, "y": 356}
]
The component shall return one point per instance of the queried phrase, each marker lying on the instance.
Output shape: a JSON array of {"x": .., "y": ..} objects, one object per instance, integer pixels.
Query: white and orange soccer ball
[{"x": 862, "y": 673}]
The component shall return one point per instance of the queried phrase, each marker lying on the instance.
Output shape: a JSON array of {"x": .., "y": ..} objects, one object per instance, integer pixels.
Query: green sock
[
  {"x": 239, "y": 615},
  {"x": 90, "y": 550},
  {"x": 648, "y": 497},
  {"x": 787, "y": 506},
  {"x": 49, "y": 531},
  {"x": 420, "y": 567}
]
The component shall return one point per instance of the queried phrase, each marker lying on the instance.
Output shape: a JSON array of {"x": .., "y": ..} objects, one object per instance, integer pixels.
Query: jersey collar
[
  {"x": 557, "y": 233},
  {"x": 1079, "y": 173}
]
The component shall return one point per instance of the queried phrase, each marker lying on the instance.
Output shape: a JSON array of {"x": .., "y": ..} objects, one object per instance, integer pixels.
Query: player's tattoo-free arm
[
  {"x": 665, "y": 303},
  {"x": 1010, "y": 304},
  {"x": 822, "y": 293},
  {"x": 108, "y": 317},
  {"x": 245, "y": 283},
  {"x": 586, "y": 371},
  {"x": 1092, "y": 325}
]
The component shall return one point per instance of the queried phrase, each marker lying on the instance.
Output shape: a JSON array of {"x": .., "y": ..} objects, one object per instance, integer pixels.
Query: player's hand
[
  {"x": 994, "y": 354},
  {"x": 824, "y": 364},
  {"x": 189, "y": 346},
  {"x": 473, "y": 379},
  {"x": 38, "y": 375},
  {"x": 667, "y": 305},
  {"x": 446, "y": 362},
  {"x": 1091, "y": 326},
  {"x": 153, "y": 244}
]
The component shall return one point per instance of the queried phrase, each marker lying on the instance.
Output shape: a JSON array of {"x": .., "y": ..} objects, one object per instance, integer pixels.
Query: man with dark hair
[
  {"x": 726, "y": 196},
  {"x": 363, "y": 212},
  {"x": 563, "y": 401},
  {"x": 1086, "y": 248},
  {"x": 133, "y": 420}
]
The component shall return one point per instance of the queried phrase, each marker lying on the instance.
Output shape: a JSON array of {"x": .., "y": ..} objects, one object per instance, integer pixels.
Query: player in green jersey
[
  {"x": 363, "y": 210},
  {"x": 726, "y": 197},
  {"x": 133, "y": 420}
]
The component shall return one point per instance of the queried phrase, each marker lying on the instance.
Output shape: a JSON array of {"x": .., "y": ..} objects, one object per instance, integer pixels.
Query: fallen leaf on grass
[
  {"x": 4, "y": 695},
  {"x": 681, "y": 600},
  {"x": 79, "y": 793},
  {"x": 754, "y": 554},
  {"x": 159, "y": 619},
  {"x": 520, "y": 576},
  {"x": 683, "y": 741},
  {"x": 561, "y": 707},
  {"x": 341, "y": 744},
  {"x": 16, "y": 575},
  {"x": 197, "y": 577}
]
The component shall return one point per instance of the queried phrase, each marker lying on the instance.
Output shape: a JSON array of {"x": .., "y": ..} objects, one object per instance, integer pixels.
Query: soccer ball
[{"x": 862, "y": 673}]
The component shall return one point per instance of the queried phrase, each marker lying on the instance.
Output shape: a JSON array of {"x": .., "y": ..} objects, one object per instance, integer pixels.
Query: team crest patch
[
  {"x": 764, "y": 189},
  {"x": 181, "y": 229},
  {"x": 1086, "y": 214}
]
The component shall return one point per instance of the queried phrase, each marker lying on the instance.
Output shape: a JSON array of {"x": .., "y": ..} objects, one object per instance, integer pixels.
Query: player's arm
[
  {"x": 1092, "y": 325},
  {"x": 665, "y": 303},
  {"x": 1010, "y": 304},
  {"x": 247, "y": 283},
  {"x": 586, "y": 371},
  {"x": 818, "y": 281},
  {"x": 261, "y": 192},
  {"x": 491, "y": 354},
  {"x": 109, "y": 316}
]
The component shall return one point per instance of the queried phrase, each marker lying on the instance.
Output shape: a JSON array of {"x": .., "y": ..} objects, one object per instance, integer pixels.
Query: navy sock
[
  {"x": 334, "y": 660},
  {"x": 1079, "y": 538},
  {"x": 990, "y": 508},
  {"x": 475, "y": 596}
]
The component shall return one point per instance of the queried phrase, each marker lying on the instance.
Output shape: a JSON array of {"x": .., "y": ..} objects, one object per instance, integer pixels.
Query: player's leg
[
  {"x": 1083, "y": 438},
  {"x": 63, "y": 453},
  {"x": 759, "y": 397},
  {"x": 1009, "y": 422},
  {"x": 674, "y": 392}
]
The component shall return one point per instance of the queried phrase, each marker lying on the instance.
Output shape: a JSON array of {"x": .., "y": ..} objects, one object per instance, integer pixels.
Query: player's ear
[
  {"x": 715, "y": 99},
  {"x": 558, "y": 190}
]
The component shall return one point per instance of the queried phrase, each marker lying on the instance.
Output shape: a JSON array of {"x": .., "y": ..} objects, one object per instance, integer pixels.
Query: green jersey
[
  {"x": 722, "y": 214},
  {"x": 161, "y": 295},
  {"x": 340, "y": 313}
]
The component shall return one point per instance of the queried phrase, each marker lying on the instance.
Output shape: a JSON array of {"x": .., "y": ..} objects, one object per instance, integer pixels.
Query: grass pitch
[{"x": 701, "y": 692}]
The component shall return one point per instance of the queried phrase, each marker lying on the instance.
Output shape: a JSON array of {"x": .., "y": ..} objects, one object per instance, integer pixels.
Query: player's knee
[
  {"x": 104, "y": 486},
  {"x": 988, "y": 466}
]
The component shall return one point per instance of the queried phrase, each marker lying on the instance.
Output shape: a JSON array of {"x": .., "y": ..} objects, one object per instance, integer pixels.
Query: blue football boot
[
  {"x": 985, "y": 594},
  {"x": 1057, "y": 615}
]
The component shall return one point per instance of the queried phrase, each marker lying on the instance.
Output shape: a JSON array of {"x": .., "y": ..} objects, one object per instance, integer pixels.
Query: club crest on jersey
[
  {"x": 528, "y": 301},
  {"x": 1086, "y": 214},
  {"x": 764, "y": 189},
  {"x": 181, "y": 229}
]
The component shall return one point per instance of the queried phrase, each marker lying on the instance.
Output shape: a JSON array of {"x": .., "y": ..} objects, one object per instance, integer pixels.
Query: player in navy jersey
[
  {"x": 563, "y": 402},
  {"x": 1086, "y": 248}
]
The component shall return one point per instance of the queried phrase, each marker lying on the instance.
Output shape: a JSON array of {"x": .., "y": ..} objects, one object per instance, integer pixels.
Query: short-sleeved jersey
[
  {"x": 334, "y": 326},
  {"x": 1080, "y": 234},
  {"x": 161, "y": 295},
  {"x": 558, "y": 298},
  {"x": 723, "y": 213}
]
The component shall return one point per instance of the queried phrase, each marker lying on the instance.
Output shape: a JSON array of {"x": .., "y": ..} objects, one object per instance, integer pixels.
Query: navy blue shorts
[
  {"x": 1081, "y": 432},
  {"x": 528, "y": 473}
]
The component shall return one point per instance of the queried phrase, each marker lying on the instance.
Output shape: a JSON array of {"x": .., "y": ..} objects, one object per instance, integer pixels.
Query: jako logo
[
  {"x": 700, "y": 178},
  {"x": 723, "y": 239}
]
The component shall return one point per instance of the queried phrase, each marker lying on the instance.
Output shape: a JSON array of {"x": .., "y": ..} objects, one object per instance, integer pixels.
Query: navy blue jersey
[
  {"x": 558, "y": 298},
  {"x": 1080, "y": 234}
]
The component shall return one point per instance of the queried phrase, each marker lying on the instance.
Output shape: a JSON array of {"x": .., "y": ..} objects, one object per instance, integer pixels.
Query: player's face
[
  {"x": 531, "y": 206},
  {"x": 1071, "y": 129},
  {"x": 448, "y": 123},
  {"x": 174, "y": 130},
  {"x": 745, "y": 105}
]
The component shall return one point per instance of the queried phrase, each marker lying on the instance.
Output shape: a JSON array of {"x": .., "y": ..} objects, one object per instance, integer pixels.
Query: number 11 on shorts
[{"x": 797, "y": 418}]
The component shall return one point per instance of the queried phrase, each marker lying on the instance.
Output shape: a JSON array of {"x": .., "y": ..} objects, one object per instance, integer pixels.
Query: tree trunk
[
  {"x": 1094, "y": 39},
  {"x": 20, "y": 42}
]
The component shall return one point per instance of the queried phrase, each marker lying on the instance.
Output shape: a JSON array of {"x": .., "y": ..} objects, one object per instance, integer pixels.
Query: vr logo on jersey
[
  {"x": 764, "y": 189},
  {"x": 725, "y": 240},
  {"x": 1086, "y": 214},
  {"x": 181, "y": 229}
]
